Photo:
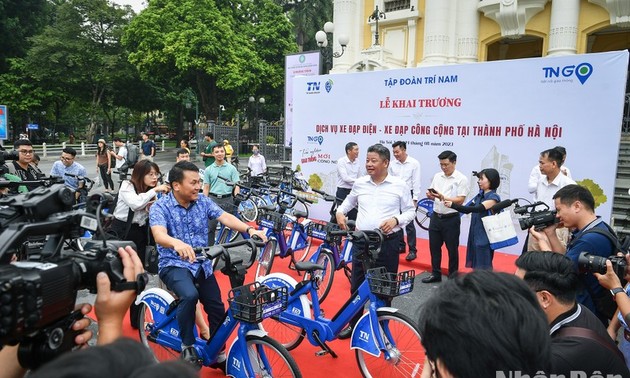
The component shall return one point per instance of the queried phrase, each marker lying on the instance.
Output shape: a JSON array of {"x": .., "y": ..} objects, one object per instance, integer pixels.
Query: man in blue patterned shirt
[
  {"x": 179, "y": 222},
  {"x": 66, "y": 164}
]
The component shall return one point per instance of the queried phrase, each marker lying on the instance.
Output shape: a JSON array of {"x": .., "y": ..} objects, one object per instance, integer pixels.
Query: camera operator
[
  {"x": 110, "y": 308},
  {"x": 612, "y": 282},
  {"x": 24, "y": 167},
  {"x": 575, "y": 210},
  {"x": 579, "y": 342}
]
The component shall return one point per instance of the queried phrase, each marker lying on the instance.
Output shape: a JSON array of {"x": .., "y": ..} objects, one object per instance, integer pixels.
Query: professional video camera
[
  {"x": 531, "y": 215},
  {"x": 38, "y": 293},
  {"x": 4, "y": 156},
  {"x": 597, "y": 264}
]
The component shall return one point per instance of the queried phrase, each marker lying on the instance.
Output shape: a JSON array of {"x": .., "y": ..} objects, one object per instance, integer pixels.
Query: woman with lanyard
[
  {"x": 131, "y": 215},
  {"x": 479, "y": 255}
]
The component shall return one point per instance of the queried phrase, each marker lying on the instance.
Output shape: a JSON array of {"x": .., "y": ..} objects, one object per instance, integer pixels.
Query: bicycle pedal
[{"x": 321, "y": 353}]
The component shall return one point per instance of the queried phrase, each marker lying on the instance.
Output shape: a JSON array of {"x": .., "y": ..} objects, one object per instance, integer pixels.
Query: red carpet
[{"x": 313, "y": 366}]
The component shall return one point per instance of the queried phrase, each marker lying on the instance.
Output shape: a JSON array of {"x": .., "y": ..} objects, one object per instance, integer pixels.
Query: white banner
[
  {"x": 492, "y": 115},
  {"x": 301, "y": 64}
]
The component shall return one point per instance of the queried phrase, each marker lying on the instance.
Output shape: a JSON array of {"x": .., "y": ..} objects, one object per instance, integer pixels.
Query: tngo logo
[
  {"x": 582, "y": 71},
  {"x": 316, "y": 139}
]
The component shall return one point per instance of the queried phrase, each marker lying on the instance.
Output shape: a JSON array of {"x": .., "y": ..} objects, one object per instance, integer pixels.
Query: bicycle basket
[
  {"x": 321, "y": 231},
  {"x": 272, "y": 220},
  {"x": 386, "y": 284},
  {"x": 254, "y": 302}
]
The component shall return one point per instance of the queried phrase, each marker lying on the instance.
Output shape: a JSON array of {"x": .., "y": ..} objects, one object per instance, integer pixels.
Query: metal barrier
[{"x": 83, "y": 149}]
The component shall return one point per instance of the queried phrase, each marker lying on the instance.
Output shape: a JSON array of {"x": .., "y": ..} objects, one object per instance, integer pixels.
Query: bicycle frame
[
  {"x": 299, "y": 314},
  {"x": 166, "y": 332},
  {"x": 338, "y": 257}
]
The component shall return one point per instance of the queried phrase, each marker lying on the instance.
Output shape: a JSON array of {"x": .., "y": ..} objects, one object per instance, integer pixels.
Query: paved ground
[{"x": 408, "y": 304}]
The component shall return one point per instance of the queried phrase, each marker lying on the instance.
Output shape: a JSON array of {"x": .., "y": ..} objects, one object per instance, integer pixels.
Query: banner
[
  {"x": 4, "y": 122},
  {"x": 301, "y": 64},
  {"x": 492, "y": 115}
]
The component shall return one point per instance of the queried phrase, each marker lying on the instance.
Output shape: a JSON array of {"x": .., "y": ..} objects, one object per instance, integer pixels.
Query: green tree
[
  {"x": 19, "y": 20},
  {"x": 224, "y": 50},
  {"x": 307, "y": 16},
  {"x": 80, "y": 55}
]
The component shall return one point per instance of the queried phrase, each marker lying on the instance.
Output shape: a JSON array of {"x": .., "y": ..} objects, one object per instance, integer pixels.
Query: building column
[
  {"x": 563, "y": 28},
  {"x": 467, "y": 33},
  {"x": 344, "y": 16},
  {"x": 411, "y": 42},
  {"x": 436, "y": 32}
]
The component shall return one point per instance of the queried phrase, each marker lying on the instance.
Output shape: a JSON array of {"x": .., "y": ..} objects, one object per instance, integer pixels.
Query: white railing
[{"x": 83, "y": 149}]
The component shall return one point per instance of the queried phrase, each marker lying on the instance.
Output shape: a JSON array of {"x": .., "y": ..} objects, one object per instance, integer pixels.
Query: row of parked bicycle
[{"x": 276, "y": 313}]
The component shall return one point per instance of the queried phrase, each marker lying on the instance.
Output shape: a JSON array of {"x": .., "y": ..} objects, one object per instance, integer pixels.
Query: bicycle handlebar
[
  {"x": 89, "y": 183},
  {"x": 215, "y": 251}
]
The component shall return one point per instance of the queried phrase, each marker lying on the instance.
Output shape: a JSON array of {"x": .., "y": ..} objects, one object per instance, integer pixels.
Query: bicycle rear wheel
[
  {"x": 269, "y": 358},
  {"x": 404, "y": 347},
  {"x": 265, "y": 260},
  {"x": 248, "y": 210},
  {"x": 326, "y": 276},
  {"x": 145, "y": 324}
]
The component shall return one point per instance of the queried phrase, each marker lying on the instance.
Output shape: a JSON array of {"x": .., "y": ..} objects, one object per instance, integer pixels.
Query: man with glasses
[
  {"x": 67, "y": 165},
  {"x": 24, "y": 167}
]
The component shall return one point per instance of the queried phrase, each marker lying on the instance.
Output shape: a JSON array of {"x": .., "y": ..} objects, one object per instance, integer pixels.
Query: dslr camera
[
  {"x": 597, "y": 264},
  {"x": 531, "y": 215},
  {"x": 38, "y": 292}
]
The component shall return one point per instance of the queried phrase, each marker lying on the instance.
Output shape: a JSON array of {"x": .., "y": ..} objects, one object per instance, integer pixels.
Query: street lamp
[
  {"x": 221, "y": 109},
  {"x": 324, "y": 40},
  {"x": 375, "y": 16}
]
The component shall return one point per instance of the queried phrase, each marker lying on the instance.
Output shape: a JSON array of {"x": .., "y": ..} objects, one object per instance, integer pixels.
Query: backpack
[{"x": 132, "y": 154}]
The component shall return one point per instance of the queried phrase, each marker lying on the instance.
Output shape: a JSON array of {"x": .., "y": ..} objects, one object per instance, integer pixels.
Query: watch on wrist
[
  {"x": 616, "y": 291},
  {"x": 249, "y": 228}
]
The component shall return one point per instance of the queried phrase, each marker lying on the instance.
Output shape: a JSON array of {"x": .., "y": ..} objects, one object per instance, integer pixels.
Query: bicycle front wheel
[
  {"x": 301, "y": 253},
  {"x": 270, "y": 359},
  {"x": 145, "y": 325},
  {"x": 265, "y": 261},
  {"x": 403, "y": 344},
  {"x": 248, "y": 210},
  {"x": 326, "y": 276}
]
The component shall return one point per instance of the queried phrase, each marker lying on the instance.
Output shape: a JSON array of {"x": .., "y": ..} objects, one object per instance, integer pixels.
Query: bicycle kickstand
[{"x": 325, "y": 348}]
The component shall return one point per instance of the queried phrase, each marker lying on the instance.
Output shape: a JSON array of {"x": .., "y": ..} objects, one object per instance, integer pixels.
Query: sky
[{"x": 137, "y": 5}]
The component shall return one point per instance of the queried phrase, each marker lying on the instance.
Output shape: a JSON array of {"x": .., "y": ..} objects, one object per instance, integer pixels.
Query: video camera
[
  {"x": 38, "y": 294},
  {"x": 4, "y": 156},
  {"x": 597, "y": 264},
  {"x": 530, "y": 216}
]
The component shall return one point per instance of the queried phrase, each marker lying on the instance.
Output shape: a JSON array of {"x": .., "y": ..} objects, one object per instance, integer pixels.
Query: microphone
[{"x": 502, "y": 205}]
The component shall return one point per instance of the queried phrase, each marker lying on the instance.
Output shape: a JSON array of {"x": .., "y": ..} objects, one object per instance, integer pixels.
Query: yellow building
[{"x": 415, "y": 33}]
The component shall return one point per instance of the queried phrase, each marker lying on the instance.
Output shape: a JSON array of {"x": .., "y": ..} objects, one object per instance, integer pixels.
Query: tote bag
[{"x": 500, "y": 230}]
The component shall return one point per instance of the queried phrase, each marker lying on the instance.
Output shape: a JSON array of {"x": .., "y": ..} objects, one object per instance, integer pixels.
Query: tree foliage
[{"x": 217, "y": 47}]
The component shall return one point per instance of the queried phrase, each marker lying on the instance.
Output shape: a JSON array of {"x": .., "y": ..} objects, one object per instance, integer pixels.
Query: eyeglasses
[
  {"x": 67, "y": 158},
  {"x": 27, "y": 152}
]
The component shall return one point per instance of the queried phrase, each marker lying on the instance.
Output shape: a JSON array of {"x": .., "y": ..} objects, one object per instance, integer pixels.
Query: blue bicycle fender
[
  {"x": 158, "y": 300},
  {"x": 301, "y": 307},
  {"x": 363, "y": 337},
  {"x": 235, "y": 363}
]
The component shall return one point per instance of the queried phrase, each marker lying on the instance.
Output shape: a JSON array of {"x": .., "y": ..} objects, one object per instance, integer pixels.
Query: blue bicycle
[
  {"x": 297, "y": 246},
  {"x": 386, "y": 342},
  {"x": 252, "y": 353}
]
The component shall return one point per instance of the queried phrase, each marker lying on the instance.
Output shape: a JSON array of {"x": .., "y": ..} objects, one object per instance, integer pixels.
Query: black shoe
[
  {"x": 189, "y": 354},
  {"x": 345, "y": 333},
  {"x": 432, "y": 278},
  {"x": 411, "y": 256}
]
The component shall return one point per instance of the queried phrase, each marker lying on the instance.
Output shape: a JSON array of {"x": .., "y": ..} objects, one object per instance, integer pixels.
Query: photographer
[
  {"x": 110, "y": 308},
  {"x": 612, "y": 282},
  {"x": 575, "y": 210}
]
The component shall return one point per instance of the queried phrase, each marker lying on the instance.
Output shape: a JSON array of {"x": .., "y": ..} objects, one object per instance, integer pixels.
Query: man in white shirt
[
  {"x": 408, "y": 169},
  {"x": 536, "y": 175},
  {"x": 121, "y": 157},
  {"x": 384, "y": 202},
  {"x": 448, "y": 185},
  {"x": 551, "y": 180},
  {"x": 348, "y": 170}
]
